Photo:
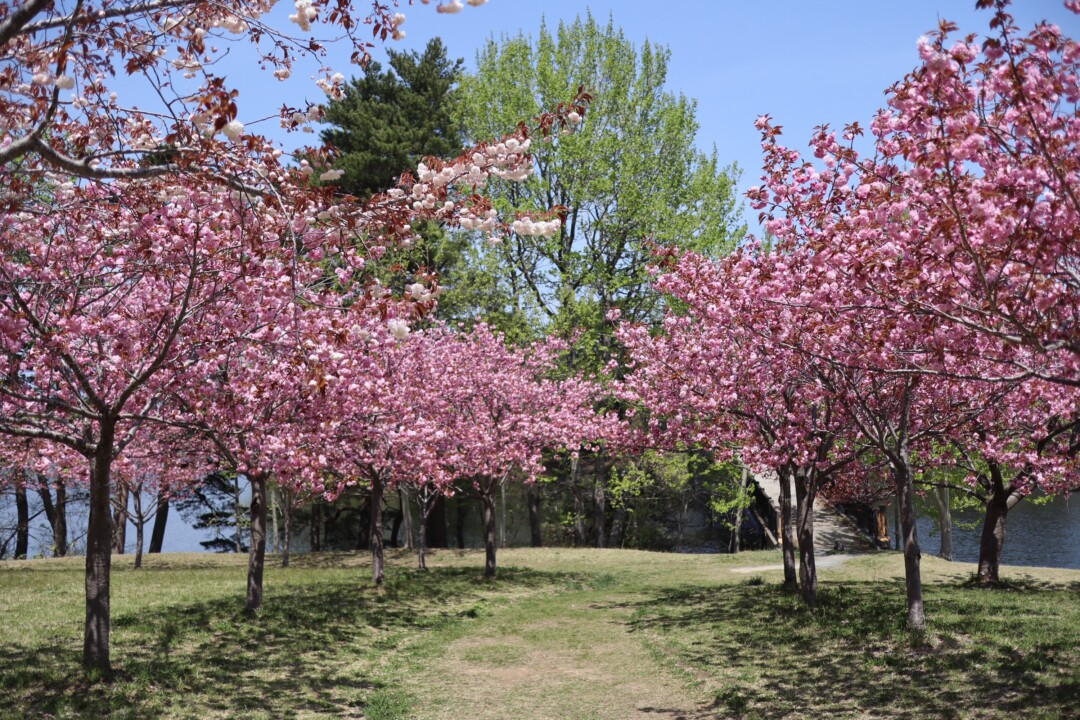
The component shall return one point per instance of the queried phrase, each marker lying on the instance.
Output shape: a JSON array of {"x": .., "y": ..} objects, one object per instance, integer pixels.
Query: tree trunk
[
  {"x": 426, "y": 507},
  {"x": 377, "y": 560},
  {"x": 237, "y": 520},
  {"x": 805, "y": 490},
  {"x": 502, "y": 513},
  {"x": 56, "y": 514},
  {"x": 22, "y": 527},
  {"x": 98, "y": 553},
  {"x": 580, "y": 536},
  {"x": 120, "y": 517},
  {"x": 942, "y": 500},
  {"x": 532, "y": 495},
  {"x": 1002, "y": 499},
  {"x": 161, "y": 517},
  {"x": 257, "y": 551},
  {"x": 599, "y": 508},
  {"x": 140, "y": 523},
  {"x": 488, "y": 500},
  {"x": 275, "y": 537},
  {"x": 787, "y": 534},
  {"x": 406, "y": 513},
  {"x": 912, "y": 556},
  {"x": 287, "y": 511}
]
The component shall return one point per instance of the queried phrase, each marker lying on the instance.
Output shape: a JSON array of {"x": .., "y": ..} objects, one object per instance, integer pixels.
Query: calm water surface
[{"x": 1046, "y": 535}]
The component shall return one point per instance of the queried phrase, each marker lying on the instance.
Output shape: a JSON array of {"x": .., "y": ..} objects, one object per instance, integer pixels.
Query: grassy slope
[{"x": 561, "y": 634}]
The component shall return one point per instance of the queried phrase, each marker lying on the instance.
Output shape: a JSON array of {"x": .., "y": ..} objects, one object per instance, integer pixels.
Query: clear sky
[{"x": 804, "y": 62}]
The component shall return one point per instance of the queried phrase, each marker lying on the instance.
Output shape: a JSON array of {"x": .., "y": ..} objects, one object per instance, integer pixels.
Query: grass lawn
[{"x": 567, "y": 634}]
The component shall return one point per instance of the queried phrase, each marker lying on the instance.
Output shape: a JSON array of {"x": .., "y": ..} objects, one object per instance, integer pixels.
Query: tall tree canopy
[
  {"x": 630, "y": 172},
  {"x": 387, "y": 121}
]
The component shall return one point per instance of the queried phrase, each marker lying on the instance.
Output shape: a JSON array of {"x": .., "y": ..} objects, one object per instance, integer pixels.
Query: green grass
[{"x": 578, "y": 634}]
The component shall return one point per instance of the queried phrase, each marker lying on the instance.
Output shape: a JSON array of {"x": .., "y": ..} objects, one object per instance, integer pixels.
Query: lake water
[{"x": 1045, "y": 535}]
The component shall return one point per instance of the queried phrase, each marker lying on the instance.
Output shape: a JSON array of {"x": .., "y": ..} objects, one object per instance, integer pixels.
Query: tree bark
[
  {"x": 599, "y": 507},
  {"x": 22, "y": 527},
  {"x": 942, "y": 500},
  {"x": 488, "y": 500},
  {"x": 502, "y": 513},
  {"x": 532, "y": 495},
  {"x": 377, "y": 560},
  {"x": 406, "y": 514},
  {"x": 287, "y": 511},
  {"x": 140, "y": 523},
  {"x": 916, "y": 618},
  {"x": 425, "y": 510},
  {"x": 805, "y": 490},
  {"x": 257, "y": 551},
  {"x": 99, "y": 553},
  {"x": 237, "y": 520},
  {"x": 1002, "y": 499},
  {"x": 120, "y": 517},
  {"x": 787, "y": 534},
  {"x": 161, "y": 517},
  {"x": 56, "y": 514}
]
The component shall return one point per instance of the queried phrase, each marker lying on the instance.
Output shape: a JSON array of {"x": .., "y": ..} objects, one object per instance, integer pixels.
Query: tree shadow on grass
[
  {"x": 986, "y": 654},
  {"x": 310, "y": 652}
]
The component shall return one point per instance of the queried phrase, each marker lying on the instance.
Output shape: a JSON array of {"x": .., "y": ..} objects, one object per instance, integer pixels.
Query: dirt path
[{"x": 568, "y": 657}]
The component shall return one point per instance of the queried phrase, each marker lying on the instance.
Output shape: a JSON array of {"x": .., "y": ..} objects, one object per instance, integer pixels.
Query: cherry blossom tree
[{"x": 505, "y": 406}]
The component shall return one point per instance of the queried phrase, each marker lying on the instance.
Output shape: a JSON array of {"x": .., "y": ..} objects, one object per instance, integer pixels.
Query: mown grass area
[{"x": 561, "y": 633}]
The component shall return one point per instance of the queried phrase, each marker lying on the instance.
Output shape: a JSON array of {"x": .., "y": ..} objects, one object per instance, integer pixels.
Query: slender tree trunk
[
  {"x": 425, "y": 510},
  {"x": 140, "y": 523},
  {"x": 377, "y": 560},
  {"x": 580, "y": 536},
  {"x": 99, "y": 553},
  {"x": 787, "y": 534},
  {"x": 502, "y": 513},
  {"x": 406, "y": 513},
  {"x": 237, "y": 519},
  {"x": 942, "y": 500},
  {"x": 161, "y": 517},
  {"x": 275, "y": 538},
  {"x": 257, "y": 551},
  {"x": 532, "y": 495},
  {"x": 912, "y": 556},
  {"x": 22, "y": 528},
  {"x": 56, "y": 514},
  {"x": 488, "y": 500},
  {"x": 120, "y": 517},
  {"x": 805, "y": 490},
  {"x": 599, "y": 505},
  {"x": 287, "y": 511}
]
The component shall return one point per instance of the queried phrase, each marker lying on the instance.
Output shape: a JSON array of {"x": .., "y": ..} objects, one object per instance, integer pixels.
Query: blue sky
[{"x": 805, "y": 63}]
